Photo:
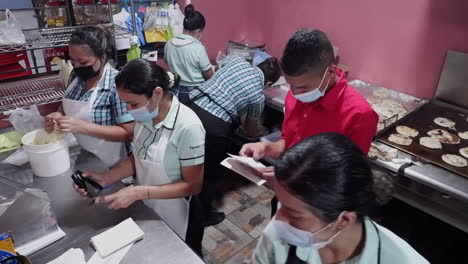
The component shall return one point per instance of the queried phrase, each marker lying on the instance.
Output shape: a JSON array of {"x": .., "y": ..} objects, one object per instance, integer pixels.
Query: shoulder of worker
[
  {"x": 184, "y": 40},
  {"x": 357, "y": 103},
  {"x": 396, "y": 250}
]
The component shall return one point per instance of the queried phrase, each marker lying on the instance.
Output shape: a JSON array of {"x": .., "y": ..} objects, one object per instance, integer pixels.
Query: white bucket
[{"x": 46, "y": 160}]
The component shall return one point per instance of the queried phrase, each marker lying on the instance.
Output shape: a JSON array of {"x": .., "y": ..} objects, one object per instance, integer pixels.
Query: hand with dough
[
  {"x": 51, "y": 120},
  {"x": 70, "y": 124}
]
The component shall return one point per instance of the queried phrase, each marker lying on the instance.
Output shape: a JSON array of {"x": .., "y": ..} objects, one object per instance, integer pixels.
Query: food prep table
[{"x": 80, "y": 221}]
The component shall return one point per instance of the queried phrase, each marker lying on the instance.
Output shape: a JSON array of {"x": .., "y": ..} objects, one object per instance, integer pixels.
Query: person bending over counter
[
  {"x": 235, "y": 90},
  {"x": 168, "y": 153}
]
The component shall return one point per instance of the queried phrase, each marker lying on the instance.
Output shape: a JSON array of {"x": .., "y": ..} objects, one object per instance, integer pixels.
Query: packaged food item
[
  {"x": 85, "y": 12},
  {"x": 103, "y": 10},
  {"x": 7, "y": 246},
  {"x": 56, "y": 13}
]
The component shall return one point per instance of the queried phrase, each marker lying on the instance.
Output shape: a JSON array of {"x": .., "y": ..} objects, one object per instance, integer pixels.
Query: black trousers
[
  {"x": 217, "y": 142},
  {"x": 195, "y": 228}
]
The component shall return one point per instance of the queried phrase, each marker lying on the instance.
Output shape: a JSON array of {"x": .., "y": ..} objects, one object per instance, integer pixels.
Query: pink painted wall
[{"x": 397, "y": 44}]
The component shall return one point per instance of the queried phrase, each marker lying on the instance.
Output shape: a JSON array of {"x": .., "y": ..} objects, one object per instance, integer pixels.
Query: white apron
[
  {"x": 107, "y": 151},
  {"x": 174, "y": 212}
]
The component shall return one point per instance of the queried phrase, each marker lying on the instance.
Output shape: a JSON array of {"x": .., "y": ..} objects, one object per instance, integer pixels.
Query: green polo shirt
[
  {"x": 187, "y": 57},
  {"x": 273, "y": 250},
  {"x": 186, "y": 146}
]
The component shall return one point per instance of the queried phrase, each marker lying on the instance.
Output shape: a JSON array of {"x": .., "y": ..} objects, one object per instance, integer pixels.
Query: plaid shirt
[
  {"x": 108, "y": 109},
  {"x": 237, "y": 87}
]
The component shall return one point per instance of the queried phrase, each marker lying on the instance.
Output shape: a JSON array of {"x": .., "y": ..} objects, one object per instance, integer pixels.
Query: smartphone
[{"x": 88, "y": 184}]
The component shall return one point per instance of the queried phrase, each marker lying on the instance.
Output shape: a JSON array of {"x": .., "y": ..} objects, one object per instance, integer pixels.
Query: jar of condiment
[
  {"x": 103, "y": 10},
  {"x": 56, "y": 13},
  {"x": 85, "y": 12}
]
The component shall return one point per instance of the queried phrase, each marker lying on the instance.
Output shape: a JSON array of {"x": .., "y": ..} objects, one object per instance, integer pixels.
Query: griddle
[{"x": 422, "y": 119}]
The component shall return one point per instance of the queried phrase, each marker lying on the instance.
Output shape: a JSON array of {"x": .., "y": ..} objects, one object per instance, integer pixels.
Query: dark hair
[
  {"x": 97, "y": 38},
  {"x": 271, "y": 69},
  {"x": 331, "y": 174},
  {"x": 193, "y": 19},
  {"x": 307, "y": 50},
  {"x": 141, "y": 77}
]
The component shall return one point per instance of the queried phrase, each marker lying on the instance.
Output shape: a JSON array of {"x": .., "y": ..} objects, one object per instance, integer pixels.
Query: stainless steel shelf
[
  {"x": 53, "y": 37},
  {"x": 24, "y": 93}
]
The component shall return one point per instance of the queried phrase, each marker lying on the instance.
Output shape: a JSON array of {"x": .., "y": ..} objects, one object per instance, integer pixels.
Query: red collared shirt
[{"x": 342, "y": 109}]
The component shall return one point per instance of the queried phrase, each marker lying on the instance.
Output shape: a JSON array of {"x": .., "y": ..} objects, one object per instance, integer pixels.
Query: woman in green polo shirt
[
  {"x": 168, "y": 153},
  {"x": 327, "y": 190},
  {"x": 186, "y": 55}
]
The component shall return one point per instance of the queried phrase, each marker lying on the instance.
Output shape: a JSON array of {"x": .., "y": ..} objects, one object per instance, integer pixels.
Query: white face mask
[
  {"x": 300, "y": 238},
  {"x": 314, "y": 95},
  {"x": 142, "y": 114}
]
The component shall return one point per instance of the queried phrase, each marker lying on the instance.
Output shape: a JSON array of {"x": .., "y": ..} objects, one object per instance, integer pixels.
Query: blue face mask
[
  {"x": 259, "y": 57},
  {"x": 302, "y": 238},
  {"x": 314, "y": 95},
  {"x": 142, "y": 114}
]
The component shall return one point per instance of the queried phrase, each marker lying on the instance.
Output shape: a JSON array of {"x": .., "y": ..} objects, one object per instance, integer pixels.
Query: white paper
[
  {"x": 114, "y": 258},
  {"x": 118, "y": 237},
  {"x": 40, "y": 243},
  {"x": 248, "y": 161},
  {"x": 243, "y": 169},
  {"x": 72, "y": 256}
]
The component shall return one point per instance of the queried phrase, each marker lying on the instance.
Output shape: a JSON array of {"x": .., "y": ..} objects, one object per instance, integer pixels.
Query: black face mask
[{"x": 87, "y": 72}]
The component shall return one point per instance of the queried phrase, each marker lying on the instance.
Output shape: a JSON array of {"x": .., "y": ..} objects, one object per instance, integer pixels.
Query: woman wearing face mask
[
  {"x": 91, "y": 108},
  {"x": 168, "y": 153},
  {"x": 186, "y": 55},
  {"x": 327, "y": 191}
]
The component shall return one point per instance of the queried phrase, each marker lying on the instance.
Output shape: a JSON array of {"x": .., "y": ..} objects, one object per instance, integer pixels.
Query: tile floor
[{"x": 247, "y": 210}]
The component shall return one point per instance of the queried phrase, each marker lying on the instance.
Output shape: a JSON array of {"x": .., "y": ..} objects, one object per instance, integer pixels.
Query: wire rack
[
  {"x": 53, "y": 37},
  {"x": 25, "y": 93}
]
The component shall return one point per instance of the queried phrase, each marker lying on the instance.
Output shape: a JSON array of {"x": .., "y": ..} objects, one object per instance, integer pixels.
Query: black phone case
[{"x": 86, "y": 183}]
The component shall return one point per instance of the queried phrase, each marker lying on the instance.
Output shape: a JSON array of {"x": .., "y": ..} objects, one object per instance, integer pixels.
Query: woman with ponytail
[
  {"x": 186, "y": 55},
  {"x": 168, "y": 152}
]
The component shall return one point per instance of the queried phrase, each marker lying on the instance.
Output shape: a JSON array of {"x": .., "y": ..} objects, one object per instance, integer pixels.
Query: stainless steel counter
[{"x": 80, "y": 222}]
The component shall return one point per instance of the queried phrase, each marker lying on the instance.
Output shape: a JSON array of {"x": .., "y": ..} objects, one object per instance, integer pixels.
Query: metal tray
[
  {"x": 422, "y": 119},
  {"x": 27, "y": 92}
]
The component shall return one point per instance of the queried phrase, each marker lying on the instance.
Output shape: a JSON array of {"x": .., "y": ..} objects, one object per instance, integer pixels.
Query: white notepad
[
  {"x": 72, "y": 256},
  {"x": 244, "y": 166},
  {"x": 118, "y": 237}
]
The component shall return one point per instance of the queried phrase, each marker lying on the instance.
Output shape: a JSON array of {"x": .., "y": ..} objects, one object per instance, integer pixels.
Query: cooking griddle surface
[{"x": 422, "y": 120}]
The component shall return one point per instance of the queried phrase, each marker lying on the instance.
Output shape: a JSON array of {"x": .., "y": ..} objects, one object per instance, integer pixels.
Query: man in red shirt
[{"x": 320, "y": 99}]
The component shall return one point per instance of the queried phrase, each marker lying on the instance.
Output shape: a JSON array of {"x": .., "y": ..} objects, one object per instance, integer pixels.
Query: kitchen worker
[
  {"x": 320, "y": 99},
  {"x": 91, "y": 107},
  {"x": 168, "y": 153},
  {"x": 235, "y": 90},
  {"x": 186, "y": 55},
  {"x": 327, "y": 190}
]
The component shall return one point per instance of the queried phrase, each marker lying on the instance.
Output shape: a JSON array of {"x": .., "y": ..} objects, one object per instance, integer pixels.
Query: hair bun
[{"x": 189, "y": 9}]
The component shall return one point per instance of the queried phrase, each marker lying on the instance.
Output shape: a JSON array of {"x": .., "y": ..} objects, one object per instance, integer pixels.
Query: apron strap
[{"x": 203, "y": 94}]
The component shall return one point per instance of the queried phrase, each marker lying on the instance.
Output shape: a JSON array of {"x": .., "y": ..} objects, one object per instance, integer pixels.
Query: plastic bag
[
  {"x": 10, "y": 31},
  {"x": 26, "y": 120},
  {"x": 176, "y": 19},
  {"x": 65, "y": 70}
]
